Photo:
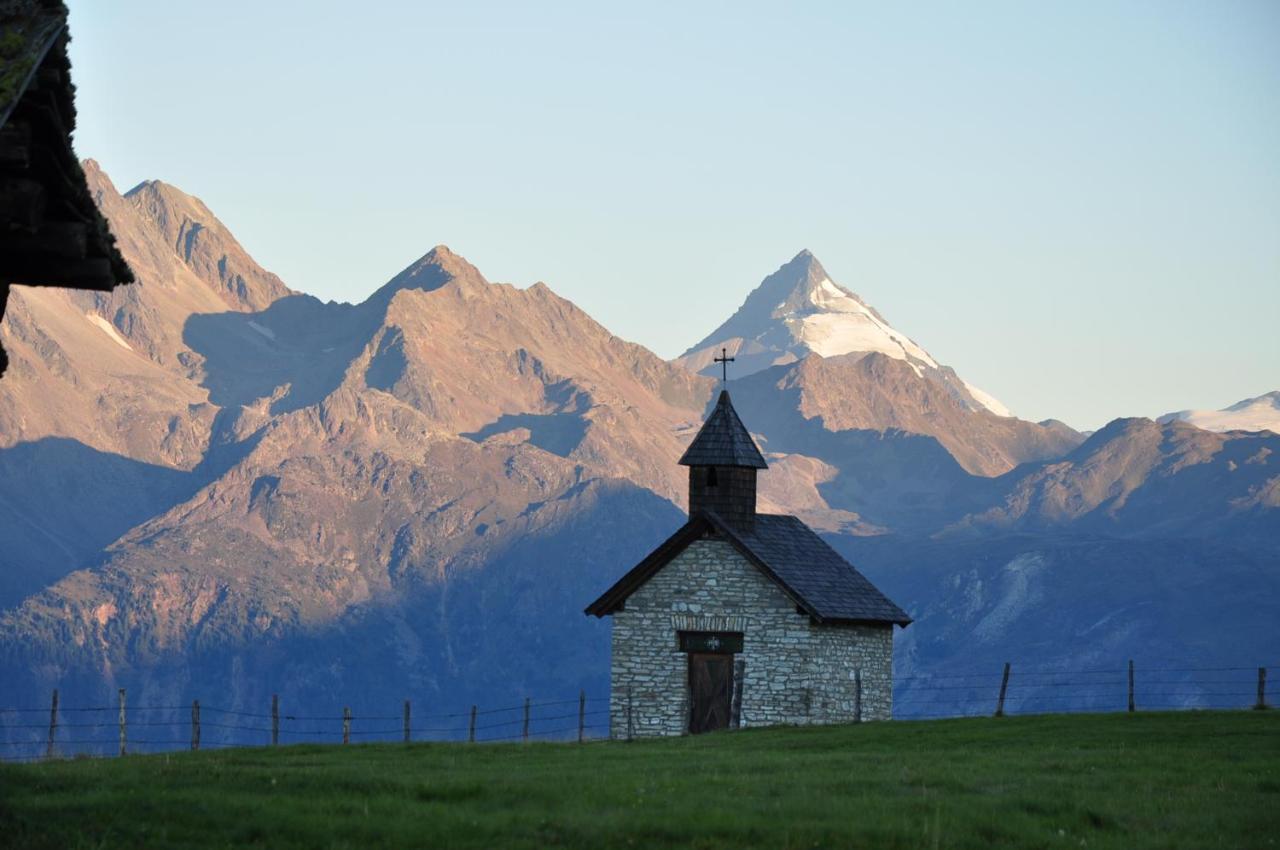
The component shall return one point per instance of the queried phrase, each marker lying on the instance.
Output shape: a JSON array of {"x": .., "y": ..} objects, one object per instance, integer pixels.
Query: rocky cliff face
[
  {"x": 104, "y": 418},
  {"x": 111, "y": 370},
  {"x": 1136, "y": 477},
  {"x": 209, "y": 481}
]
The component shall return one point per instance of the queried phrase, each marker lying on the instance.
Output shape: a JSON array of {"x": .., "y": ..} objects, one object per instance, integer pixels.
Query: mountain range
[
  {"x": 212, "y": 483},
  {"x": 1252, "y": 414},
  {"x": 799, "y": 310}
]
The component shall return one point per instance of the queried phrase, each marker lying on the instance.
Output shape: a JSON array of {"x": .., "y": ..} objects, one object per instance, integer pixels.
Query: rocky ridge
[{"x": 209, "y": 478}]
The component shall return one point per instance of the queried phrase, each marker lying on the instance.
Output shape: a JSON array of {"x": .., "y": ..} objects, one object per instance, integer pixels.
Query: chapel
[{"x": 742, "y": 618}]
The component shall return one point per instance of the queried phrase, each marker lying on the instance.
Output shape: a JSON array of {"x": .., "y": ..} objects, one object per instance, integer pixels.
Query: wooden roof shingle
[
  {"x": 51, "y": 231},
  {"x": 723, "y": 440}
]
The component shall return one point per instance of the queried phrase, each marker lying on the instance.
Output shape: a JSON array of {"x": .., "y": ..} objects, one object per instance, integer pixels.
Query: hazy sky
[{"x": 1076, "y": 205}]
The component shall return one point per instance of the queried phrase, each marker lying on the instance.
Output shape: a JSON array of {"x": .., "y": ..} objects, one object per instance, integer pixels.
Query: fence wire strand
[{"x": 955, "y": 694}]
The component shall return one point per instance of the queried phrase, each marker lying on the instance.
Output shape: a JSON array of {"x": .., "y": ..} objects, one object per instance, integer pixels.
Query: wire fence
[
  {"x": 31, "y": 733},
  {"x": 1014, "y": 690}
]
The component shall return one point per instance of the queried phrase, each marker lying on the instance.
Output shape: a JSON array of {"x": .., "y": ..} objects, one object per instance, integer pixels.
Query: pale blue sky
[{"x": 1076, "y": 205}]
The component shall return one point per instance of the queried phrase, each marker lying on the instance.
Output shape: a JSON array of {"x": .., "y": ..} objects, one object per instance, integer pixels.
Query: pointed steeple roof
[{"x": 723, "y": 440}]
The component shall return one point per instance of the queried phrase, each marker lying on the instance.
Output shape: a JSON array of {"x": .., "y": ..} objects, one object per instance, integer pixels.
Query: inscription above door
[{"x": 711, "y": 642}]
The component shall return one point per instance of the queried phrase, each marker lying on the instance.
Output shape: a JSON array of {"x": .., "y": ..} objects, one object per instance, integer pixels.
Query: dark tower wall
[{"x": 728, "y": 491}]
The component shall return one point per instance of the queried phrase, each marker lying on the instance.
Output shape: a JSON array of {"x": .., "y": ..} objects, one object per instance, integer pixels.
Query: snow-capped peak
[
  {"x": 1252, "y": 414},
  {"x": 799, "y": 310}
]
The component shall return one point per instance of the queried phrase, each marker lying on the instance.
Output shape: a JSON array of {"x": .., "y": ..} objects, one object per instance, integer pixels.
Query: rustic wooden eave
[{"x": 51, "y": 231}]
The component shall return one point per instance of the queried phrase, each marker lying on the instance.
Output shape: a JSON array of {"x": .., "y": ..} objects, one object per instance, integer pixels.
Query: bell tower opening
[{"x": 723, "y": 461}]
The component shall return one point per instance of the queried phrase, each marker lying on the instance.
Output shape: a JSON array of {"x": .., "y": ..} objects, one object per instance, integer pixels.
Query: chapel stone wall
[{"x": 795, "y": 671}]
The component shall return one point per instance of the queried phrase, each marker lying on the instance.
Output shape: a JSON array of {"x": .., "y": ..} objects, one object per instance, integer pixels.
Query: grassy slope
[{"x": 1194, "y": 780}]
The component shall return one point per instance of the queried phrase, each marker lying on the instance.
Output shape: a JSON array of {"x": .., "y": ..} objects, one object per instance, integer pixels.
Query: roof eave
[
  {"x": 746, "y": 552},
  {"x": 83, "y": 254},
  {"x": 868, "y": 621},
  {"x": 611, "y": 600},
  {"x": 762, "y": 465}
]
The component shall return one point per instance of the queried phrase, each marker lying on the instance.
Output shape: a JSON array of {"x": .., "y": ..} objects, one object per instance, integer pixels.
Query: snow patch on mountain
[
  {"x": 987, "y": 400},
  {"x": 262, "y": 329},
  {"x": 109, "y": 330},
  {"x": 841, "y": 324},
  {"x": 1252, "y": 414},
  {"x": 799, "y": 310}
]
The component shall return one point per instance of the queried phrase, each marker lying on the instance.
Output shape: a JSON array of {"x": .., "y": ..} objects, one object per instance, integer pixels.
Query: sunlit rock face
[{"x": 210, "y": 482}]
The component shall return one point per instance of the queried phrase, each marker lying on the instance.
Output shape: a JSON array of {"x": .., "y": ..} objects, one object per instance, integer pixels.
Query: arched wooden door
[{"x": 710, "y": 691}]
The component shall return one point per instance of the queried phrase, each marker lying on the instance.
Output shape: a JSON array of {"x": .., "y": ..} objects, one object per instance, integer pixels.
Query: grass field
[{"x": 1173, "y": 780}]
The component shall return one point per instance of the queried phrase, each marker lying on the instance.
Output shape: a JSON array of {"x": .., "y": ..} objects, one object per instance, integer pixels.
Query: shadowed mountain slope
[
  {"x": 208, "y": 480},
  {"x": 291, "y": 466},
  {"x": 1071, "y": 602},
  {"x": 1138, "y": 477}
]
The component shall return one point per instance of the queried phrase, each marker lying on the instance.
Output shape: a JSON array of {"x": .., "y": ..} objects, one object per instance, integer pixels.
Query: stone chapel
[{"x": 741, "y": 618}]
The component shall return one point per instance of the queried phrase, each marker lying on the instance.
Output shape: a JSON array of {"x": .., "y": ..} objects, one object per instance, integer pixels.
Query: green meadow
[{"x": 1159, "y": 780}]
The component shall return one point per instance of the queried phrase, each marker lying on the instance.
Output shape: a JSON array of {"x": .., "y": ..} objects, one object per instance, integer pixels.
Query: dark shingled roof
[
  {"x": 816, "y": 573},
  {"x": 723, "y": 440},
  {"x": 786, "y": 550},
  {"x": 51, "y": 232}
]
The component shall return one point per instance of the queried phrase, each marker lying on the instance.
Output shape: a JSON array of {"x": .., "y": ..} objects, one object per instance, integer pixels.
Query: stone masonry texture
[{"x": 796, "y": 671}]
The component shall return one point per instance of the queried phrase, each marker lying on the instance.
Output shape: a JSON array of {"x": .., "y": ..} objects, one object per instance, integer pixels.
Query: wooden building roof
[{"x": 51, "y": 232}]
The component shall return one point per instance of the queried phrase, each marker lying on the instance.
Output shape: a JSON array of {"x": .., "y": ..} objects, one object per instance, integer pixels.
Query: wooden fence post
[
  {"x": 406, "y": 721},
  {"x": 735, "y": 704},
  {"x": 195, "y": 724},
  {"x": 275, "y": 719},
  {"x": 524, "y": 736},
  {"x": 1261, "y": 704},
  {"x": 53, "y": 724},
  {"x": 471, "y": 733},
  {"x": 1004, "y": 688},
  {"x": 346, "y": 724},
  {"x": 582, "y": 715},
  {"x": 123, "y": 731},
  {"x": 1131, "y": 685},
  {"x": 857, "y": 695},
  {"x": 630, "y": 725}
]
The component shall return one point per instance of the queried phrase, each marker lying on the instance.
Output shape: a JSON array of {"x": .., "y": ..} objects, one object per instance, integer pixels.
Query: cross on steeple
[{"x": 724, "y": 360}]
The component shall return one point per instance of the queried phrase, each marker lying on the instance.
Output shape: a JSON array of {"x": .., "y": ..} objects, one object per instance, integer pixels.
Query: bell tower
[{"x": 723, "y": 461}]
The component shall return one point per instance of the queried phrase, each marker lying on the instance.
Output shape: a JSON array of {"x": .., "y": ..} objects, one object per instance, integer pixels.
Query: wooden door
[{"x": 710, "y": 691}]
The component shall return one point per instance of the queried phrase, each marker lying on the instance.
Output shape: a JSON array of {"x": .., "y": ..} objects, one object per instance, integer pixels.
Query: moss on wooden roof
[
  {"x": 51, "y": 230},
  {"x": 27, "y": 30}
]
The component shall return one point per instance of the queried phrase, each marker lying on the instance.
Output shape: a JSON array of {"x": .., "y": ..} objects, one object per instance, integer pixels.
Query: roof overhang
[
  {"x": 51, "y": 231},
  {"x": 698, "y": 526},
  {"x": 701, "y": 524}
]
